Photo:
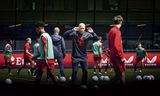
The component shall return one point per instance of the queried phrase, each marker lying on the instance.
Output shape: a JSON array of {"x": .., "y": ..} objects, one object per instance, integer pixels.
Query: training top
[
  {"x": 115, "y": 42},
  {"x": 27, "y": 47},
  {"x": 97, "y": 48},
  {"x": 8, "y": 50},
  {"x": 58, "y": 46},
  {"x": 46, "y": 39},
  {"x": 141, "y": 52}
]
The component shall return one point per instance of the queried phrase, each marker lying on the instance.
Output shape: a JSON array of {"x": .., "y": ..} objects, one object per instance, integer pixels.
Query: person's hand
[
  {"x": 89, "y": 29},
  {"x": 145, "y": 58},
  {"x": 64, "y": 55},
  {"x": 76, "y": 28},
  {"x": 123, "y": 64},
  {"x": 46, "y": 61},
  {"x": 101, "y": 56},
  {"x": 33, "y": 58},
  {"x": 31, "y": 55},
  {"x": 123, "y": 60}
]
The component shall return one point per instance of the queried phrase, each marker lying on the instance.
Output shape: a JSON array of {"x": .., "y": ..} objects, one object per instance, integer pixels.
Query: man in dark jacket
[
  {"x": 79, "y": 54},
  {"x": 59, "y": 49}
]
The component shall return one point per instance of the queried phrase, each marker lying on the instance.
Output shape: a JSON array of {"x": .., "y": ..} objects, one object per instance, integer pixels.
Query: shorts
[
  {"x": 140, "y": 60},
  {"x": 97, "y": 58},
  {"x": 43, "y": 65},
  {"x": 27, "y": 59},
  {"x": 37, "y": 63},
  {"x": 7, "y": 59}
]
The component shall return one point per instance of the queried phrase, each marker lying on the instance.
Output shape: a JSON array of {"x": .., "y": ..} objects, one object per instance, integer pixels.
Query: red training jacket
[{"x": 115, "y": 42}]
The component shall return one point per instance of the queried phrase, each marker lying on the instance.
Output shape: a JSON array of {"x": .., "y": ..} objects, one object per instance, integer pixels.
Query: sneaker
[
  {"x": 94, "y": 73},
  {"x": 47, "y": 79},
  {"x": 34, "y": 76},
  {"x": 17, "y": 73},
  {"x": 84, "y": 87},
  {"x": 100, "y": 73},
  {"x": 10, "y": 74},
  {"x": 140, "y": 71},
  {"x": 29, "y": 72}
]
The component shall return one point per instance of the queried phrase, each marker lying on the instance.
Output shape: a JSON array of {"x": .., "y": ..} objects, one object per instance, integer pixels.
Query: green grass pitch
[{"x": 25, "y": 78}]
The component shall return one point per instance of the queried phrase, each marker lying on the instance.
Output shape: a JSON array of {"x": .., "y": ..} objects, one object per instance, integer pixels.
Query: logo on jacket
[{"x": 80, "y": 42}]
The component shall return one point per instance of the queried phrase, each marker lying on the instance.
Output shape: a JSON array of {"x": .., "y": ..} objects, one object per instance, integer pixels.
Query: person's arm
[
  {"x": 70, "y": 32},
  {"x": 107, "y": 53},
  {"x": 118, "y": 46},
  {"x": 63, "y": 48},
  {"x": 38, "y": 55},
  {"x": 44, "y": 41},
  {"x": 100, "y": 50},
  {"x": 93, "y": 34},
  {"x": 27, "y": 51},
  {"x": 146, "y": 55}
]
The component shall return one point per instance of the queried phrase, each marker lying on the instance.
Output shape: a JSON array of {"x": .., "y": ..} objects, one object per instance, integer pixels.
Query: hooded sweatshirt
[
  {"x": 58, "y": 46},
  {"x": 79, "y": 52}
]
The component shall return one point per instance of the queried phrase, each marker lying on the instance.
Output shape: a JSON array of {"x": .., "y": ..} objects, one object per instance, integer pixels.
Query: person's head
[
  {"x": 82, "y": 27},
  {"x": 139, "y": 45},
  {"x": 117, "y": 20},
  {"x": 39, "y": 26},
  {"x": 28, "y": 40},
  {"x": 88, "y": 27},
  {"x": 98, "y": 39},
  {"x": 37, "y": 39},
  {"x": 56, "y": 30},
  {"x": 10, "y": 41}
]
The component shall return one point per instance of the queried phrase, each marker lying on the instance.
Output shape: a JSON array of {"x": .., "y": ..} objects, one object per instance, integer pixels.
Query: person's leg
[
  {"x": 32, "y": 67},
  {"x": 142, "y": 64},
  {"x": 135, "y": 65},
  {"x": 118, "y": 74},
  {"x": 8, "y": 64},
  {"x": 116, "y": 77},
  {"x": 9, "y": 68},
  {"x": 84, "y": 66},
  {"x": 137, "y": 62},
  {"x": 19, "y": 70},
  {"x": 100, "y": 65},
  {"x": 52, "y": 76},
  {"x": 74, "y": 72},
  {"x": 61, "y": 67},
  {"x": 48, "y": 77},
  {"x": 38, "y": 75},
  {"x": 95, "y": 66},
  {"x": 123, "y": 77},
  {"x": 36, "y": 69},
  {"x": 106, "y": 67}
]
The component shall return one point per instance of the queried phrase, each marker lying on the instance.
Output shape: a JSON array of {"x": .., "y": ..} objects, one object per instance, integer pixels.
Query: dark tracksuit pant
[
  {"x": 138, "y": 60},
  {"x": 61, "y": 67},
  {"x": 84, "y": 66}
]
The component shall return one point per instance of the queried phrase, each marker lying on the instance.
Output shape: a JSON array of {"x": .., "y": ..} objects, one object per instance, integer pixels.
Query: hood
[{"x": 56, "y": 38}]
